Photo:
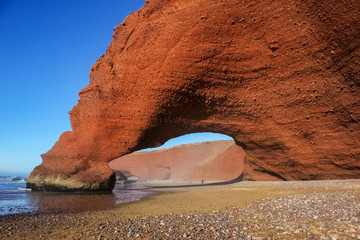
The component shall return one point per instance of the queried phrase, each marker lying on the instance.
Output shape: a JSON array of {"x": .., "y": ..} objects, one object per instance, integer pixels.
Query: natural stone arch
[{"x": 274, "y": 75}]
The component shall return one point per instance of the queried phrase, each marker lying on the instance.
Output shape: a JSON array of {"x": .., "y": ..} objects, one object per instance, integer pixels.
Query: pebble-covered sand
[{"x": 307, "y": 210}]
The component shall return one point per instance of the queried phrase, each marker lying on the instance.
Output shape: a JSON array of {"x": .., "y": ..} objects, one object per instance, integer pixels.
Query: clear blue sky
[{"x": 47, "y": 49}]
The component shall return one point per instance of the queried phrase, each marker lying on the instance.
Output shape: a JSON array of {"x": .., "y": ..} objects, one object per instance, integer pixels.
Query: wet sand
[
  {"x": 15, "y": 201},
  {"x": 245, "y": 210}
]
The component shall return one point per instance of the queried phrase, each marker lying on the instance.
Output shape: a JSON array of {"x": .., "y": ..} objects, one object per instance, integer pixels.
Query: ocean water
[{"x": 15, "y": 198}]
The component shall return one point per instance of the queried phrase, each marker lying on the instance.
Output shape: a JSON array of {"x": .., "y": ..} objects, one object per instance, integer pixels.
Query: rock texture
[
  {"x": 217, "y": 160},
  {"x": 280, "y": 77}
]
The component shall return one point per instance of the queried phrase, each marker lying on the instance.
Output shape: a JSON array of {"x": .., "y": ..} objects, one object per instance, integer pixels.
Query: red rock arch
[{"x": 280, "y": 77}]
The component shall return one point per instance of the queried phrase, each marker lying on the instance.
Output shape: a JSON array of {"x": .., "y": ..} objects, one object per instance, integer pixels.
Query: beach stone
[
  {"x": 279, "y": 77},
  {"x": 223, "y": 224}
]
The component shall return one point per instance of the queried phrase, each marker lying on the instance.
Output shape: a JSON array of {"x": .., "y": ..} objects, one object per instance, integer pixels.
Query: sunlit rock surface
[{"x": 217, "y": 160}]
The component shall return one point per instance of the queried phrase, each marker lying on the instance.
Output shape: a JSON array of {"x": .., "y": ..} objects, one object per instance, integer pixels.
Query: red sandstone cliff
[
  {"x": 218, "y": 160},
  {"x": 280, "y": 77}
]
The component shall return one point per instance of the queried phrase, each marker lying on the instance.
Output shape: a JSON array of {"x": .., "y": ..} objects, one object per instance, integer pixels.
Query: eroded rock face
[
  {"x": 217, "y": 160},
  {"x": 280, "y": 77}
]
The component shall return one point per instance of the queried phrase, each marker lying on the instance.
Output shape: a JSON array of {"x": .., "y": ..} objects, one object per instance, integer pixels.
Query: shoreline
[
  {"x": 219, "y": 198},
  {"x": 229, "y": 211}
]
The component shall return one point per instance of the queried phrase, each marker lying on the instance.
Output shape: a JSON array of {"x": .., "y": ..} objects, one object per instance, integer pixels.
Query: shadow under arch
[{"x": 236, "y": 180}]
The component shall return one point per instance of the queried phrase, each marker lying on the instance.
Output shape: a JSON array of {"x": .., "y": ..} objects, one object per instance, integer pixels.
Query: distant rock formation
[
  {"x": 217, "y": 160},
  {"x": 280, "y": 77}
]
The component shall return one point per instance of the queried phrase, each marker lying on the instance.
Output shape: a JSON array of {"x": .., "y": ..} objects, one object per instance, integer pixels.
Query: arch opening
[{"x": 195, "y": 158}]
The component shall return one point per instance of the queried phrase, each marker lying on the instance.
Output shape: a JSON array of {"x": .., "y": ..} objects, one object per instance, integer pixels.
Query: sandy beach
[{"x": 245, "y": 210}]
